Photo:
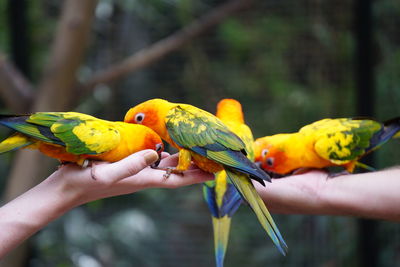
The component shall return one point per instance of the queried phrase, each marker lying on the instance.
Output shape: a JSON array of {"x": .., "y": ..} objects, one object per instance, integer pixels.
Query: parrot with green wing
[
  {"x": 76, "y": 137},
  {"x": 325, "y": 143},
  {"x": 204, "y": 139}
]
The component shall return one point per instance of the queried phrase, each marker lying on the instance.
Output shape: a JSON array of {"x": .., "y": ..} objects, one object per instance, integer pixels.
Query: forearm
[
  {"x": 369, "y": 195},
  {"x": 25, "y": 215},
  {"x": 294, "y": 194},
  {"x": 72, "y": 185}
]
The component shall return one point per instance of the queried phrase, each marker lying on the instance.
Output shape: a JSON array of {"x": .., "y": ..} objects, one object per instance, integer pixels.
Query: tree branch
[
  {"x": 15, "y": 90},
  {"x": 163, "y": 47},
  {"x": 59, "y": 78}
]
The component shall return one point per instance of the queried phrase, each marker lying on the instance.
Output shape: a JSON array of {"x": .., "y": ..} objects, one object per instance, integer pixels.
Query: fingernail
[{"x": 150, "y": 157}]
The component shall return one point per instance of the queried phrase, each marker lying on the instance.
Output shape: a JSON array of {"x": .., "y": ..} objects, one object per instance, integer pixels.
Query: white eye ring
[
  {"x": 270, "y": 161},
  {"x": 139, "y": 117},
  {"x": 264, "y": 152}
]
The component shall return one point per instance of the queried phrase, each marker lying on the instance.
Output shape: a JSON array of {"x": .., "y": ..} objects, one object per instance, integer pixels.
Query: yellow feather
[
  {"x": 13, "y": 142},
  {"x": 220, "y": 187}
]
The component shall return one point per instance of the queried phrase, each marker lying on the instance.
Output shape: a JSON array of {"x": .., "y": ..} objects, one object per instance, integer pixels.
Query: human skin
[
  {"x": 71, "y": 186},
  {"x": 369, "y": 195}
]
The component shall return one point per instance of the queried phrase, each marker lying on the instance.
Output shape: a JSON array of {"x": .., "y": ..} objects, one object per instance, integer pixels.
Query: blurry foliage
[
  {"x": 289, "y": 63},
  {"x": 4, "y": 30}
]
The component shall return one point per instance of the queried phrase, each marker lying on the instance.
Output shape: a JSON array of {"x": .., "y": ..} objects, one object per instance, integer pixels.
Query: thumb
[{"x": 124, "y": 168}]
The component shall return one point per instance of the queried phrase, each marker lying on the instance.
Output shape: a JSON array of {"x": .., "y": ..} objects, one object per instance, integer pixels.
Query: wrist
[
  {"x": 65, "y": 195},
  {"x": 340, "y": 197}
]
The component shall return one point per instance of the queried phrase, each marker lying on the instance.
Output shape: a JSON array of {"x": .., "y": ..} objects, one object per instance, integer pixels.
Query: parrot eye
[
  {"x": 159, "y": 147},
  {"x": 270, "y": 162},
  {"x": 139, "y": 117},
  {"x": 264, "y": 152}
]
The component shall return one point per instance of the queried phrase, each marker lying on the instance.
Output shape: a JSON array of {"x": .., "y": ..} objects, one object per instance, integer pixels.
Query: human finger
[{"x": 126, "y": 167}]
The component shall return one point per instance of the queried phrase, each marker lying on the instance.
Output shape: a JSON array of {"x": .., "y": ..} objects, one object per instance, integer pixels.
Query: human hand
[
  {"x": 126, "y": 176},
  {"x": 369, "y": 195},
  {"x": 296, "y": 194},
  {"x": 72, "y": 185}
]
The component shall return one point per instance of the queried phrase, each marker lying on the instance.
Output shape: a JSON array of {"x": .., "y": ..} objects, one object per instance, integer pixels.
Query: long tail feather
[
  {"x": 249, "y": 193},
  {"x": 223, "y": 200},
  {"x": 391, "y": 130},
  {"x": 13, "y": 142},
  {"x": 221, "y": 236}
]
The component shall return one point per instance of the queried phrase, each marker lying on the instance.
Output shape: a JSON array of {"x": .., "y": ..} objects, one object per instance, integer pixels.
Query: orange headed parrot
[
  {"x": 77, "y": 137},
  {"x": 222, "y": 197},
  {"x": 325, "y": 143},
  {"x": 213, "y": 147}
]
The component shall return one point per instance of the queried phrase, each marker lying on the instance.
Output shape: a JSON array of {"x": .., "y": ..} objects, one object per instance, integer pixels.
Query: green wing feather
[
  {"x": 250, "y": 194},
  {"x": 344, "y": 140},
  {"x": 244, "y": 133},
  {"x": 205, "y": 134},
  {"x": 13, "y": 142},
  {"x": 192, "y": 127},
  {"x": 79, "y": 133}
]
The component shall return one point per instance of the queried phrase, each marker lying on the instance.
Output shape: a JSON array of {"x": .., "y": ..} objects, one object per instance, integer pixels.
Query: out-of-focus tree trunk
[
  {"x": 15, "y": 90},
  {"x": 54, "y": 93}
]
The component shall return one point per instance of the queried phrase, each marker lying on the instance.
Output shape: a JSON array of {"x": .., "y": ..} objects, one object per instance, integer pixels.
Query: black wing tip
[
  {"x": 13, "y": 117},
  {"x": 261, "y": 181},
  {"x": 393, "y": 121},
  {"x": 8, "y": 120},
  {"x": 264, "y": 175}
]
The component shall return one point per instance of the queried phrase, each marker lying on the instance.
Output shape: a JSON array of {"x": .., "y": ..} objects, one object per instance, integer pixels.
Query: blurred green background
[{"x": 288, "y": 62}]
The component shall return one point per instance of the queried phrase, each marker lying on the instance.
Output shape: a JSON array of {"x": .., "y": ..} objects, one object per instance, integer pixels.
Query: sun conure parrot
[
  {"x": 325, "y": 143},
  {"x": 205, "y": 139},
  {"x": 77, "y": 137},
  {"x": 221, "y": 195}
]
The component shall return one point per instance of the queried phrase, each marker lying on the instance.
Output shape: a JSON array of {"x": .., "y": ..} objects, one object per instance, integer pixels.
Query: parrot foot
[
  {"x": 85, "y": 163},
  {"x": 301, "y": 171},
  {"x": 62, "y": 163},
  {"x": 92, "y": 172},
  {"x": 169, "y": 171}
]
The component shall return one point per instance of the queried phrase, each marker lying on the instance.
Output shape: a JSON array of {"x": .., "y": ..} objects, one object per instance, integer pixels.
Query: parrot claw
[
  {"x": 301, "y": 171},
  {"x": 92, "y": 172},
  {"x": 85, "y": 163},
  {"x": 62, "y": 163},
  {"x": 336, "y": 174},
  {"x": 169, "y": 171}
]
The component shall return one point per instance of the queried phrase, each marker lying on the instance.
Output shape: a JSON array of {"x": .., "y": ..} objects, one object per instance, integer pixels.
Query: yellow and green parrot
[
  {"x": 213, "y": 147},
  {"x": 325, "y": 143},
  {"x": 77, "y": 137}
]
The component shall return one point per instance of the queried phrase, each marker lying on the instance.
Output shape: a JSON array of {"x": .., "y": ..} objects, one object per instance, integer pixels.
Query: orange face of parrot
[
  {"x": 150, "y": 114},
  {"x": 270, "y": 157}
]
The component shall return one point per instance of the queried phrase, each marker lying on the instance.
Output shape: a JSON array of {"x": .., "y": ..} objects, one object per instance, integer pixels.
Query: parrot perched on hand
[
  {"x": 222, "y": 197},
  {"x": 213, "y": 147},
  {"x": 325, "y": 143},
  {"x": 77, "y": 137}
]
